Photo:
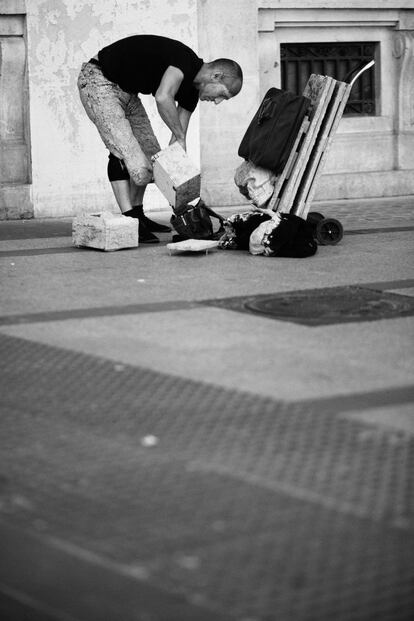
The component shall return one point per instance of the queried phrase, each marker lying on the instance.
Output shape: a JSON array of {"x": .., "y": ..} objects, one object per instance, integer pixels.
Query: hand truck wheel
[
  {"x": 313, "y": 219},
  {"x": 314, "y": 216},
  {"x": 329, "y": 232}
]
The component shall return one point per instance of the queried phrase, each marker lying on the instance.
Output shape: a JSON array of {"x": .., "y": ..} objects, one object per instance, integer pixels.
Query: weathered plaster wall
[
  {"x": 370, "y": 155},
  {"x": 227, "y": 29},
  {"x": 68, "y": 158}
]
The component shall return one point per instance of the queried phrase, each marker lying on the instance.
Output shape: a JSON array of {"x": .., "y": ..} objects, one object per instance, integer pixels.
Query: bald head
[
  {"x": 231, "y": 74},
  {"x": 219, "y": 80}
]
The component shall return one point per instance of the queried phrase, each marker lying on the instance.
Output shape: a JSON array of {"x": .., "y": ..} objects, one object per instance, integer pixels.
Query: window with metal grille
[{"x": 337, "y": 60}]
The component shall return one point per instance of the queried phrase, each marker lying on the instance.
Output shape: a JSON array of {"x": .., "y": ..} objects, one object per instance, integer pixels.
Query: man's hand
[
  {"x": 266, "y": 210},
  {"x": 182, "y": 143}
]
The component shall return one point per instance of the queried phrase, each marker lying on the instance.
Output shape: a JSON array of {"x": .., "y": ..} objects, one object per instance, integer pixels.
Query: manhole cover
[{"x": 325, "y": 306}]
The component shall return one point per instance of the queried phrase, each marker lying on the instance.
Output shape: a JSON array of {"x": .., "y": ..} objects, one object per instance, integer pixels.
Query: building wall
[
  {"x": 231, "y": 32},
  {"x": 371, "y": 156},
  {"x": 68, "y": 158},
  {"x": 15, "y": 165}
]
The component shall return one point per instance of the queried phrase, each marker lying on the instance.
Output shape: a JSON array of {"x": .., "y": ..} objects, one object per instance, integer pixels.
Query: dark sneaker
[
  {"x": 178, "y": 238},
  {"x": 145, "y": 236},
  {"x": 153, "y": 226}
]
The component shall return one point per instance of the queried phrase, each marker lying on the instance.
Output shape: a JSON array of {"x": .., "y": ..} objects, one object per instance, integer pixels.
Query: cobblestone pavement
[{"x": 165, "y": 458}]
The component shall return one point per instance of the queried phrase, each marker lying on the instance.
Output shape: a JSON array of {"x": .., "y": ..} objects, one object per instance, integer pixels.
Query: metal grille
[
  {"x": 318, "y": 307},
  {"x": 338, "y": 60}
]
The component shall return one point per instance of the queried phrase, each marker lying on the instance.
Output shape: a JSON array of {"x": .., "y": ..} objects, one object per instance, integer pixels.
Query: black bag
[
  {"x": 270, "y": 136},
  {"x": 194, "y": 222},
  {"x": 244, "y": 225},
  {"x": 293, "y": 237}
]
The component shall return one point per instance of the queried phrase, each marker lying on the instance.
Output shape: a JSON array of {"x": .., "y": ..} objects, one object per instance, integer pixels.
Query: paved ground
[{"x": 169, "y": 454}]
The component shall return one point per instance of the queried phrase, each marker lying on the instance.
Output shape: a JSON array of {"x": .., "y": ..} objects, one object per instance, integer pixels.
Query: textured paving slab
[
  {"x": 245, "y": 506},
  {"x": 52, "y": 581},
  {"x": 395, "y": 417},
  {"x": 90, "y": 278},
  {"x": 30, "y": 229},
  {"x": 136, "y": 475},
  {"x": 409, "y": 291},
  {"x": 233, "y": 350},
  {"x": 370, "y": 213},
  {"x": 24, "y": 247}
]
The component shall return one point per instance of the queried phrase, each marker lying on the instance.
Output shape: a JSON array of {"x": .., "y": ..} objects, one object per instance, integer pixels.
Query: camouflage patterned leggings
[{"x": 121, "y": 120}]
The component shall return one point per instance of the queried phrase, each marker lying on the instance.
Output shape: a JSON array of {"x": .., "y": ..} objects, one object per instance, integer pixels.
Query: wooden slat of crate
[
  {"x": 324, "y": 138},
  {"x": 284, "y": 175},
  {"x": 347, "y": 91},
  {"x": 319, "y": 169},
  {"x": 319, "y": 89}
]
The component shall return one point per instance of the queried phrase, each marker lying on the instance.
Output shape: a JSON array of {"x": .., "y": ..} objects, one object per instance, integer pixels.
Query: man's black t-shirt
[{"x": 138, "y": 63}]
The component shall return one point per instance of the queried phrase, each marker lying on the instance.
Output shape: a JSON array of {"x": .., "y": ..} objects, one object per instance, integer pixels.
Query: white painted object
[
  {"x": 193, "y": 245},
  {"x": 257, "y": 182},
  {"x": 105, "y": 231},
  {"x": 149, "y": 441},
  {"x": 176, "y": 176}
]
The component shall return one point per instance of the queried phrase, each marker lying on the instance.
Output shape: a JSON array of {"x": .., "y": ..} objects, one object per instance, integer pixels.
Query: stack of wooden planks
[{"x": 295, "y": 186}]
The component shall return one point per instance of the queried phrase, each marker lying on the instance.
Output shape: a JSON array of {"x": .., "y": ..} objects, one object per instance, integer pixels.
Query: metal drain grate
[{"x": 316, "y": 307}]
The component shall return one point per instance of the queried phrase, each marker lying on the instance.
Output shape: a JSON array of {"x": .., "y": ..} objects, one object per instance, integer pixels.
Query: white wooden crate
[
  {"x": 295, "y": 186},
  {"x": 176, "y": 176},
  {"x": 105, "y": 231}
]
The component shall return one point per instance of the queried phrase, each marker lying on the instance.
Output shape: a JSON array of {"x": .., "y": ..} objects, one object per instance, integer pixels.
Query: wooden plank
[
  {"x": 335, "y": 124},
  {"x": 281, "y": 179},
  {"x": 322, "y": 143},
  {"x": 319, "y": 89},
  {"x": 302, "y": 204},
  {"x": 319, "y": 169}
]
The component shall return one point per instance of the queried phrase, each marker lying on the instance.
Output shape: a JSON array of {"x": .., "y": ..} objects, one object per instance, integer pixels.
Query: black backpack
[
  {"x": 244, "y": 226},
  {"x": 194, "y": 222},
  {"x": 293, "y": 237},
  {"x": 271, "y": 134}
]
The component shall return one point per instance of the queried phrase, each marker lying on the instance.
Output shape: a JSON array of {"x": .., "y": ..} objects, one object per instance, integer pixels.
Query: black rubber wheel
[
  {"x": 329, "y": 232},
  {"x": 314, "y": 217}
]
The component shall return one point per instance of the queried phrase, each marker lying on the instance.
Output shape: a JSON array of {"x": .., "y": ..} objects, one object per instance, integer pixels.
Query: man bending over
[{"x": 109, "y": 86}]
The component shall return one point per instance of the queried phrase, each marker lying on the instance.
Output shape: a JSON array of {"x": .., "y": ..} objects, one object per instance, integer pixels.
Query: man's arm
[
  {"x": 184, "y": 116},
  {"x": 172, "y": 116}
]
